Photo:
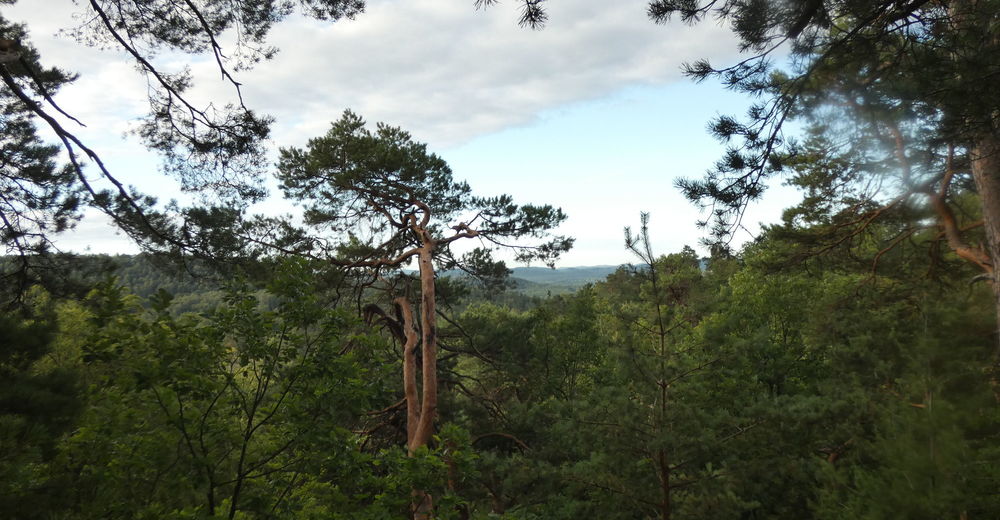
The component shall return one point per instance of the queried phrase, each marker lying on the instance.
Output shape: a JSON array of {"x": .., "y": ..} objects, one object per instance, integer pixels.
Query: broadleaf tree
[{"x": 376, "y": 200}]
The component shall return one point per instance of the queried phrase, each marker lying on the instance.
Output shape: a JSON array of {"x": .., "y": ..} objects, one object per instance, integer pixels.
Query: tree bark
[
  {"x": 985, "y": 159},
  {"x": 409, "y": 371},
  {"x": 428, "y": 325},
  {"x": 976, "y": 22},
  {"x": 423, "y": 502}
]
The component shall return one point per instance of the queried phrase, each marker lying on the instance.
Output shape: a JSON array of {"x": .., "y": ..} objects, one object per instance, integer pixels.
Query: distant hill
[
  {"x": 541, "y": 282},
  {"x": 144, "y": 279},
  {"x": 574, "y": 277},
  {"x": 530, "y": 284}
]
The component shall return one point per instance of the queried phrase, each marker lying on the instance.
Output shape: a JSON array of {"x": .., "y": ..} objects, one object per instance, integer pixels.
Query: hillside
[
  {"x": 574, "y": 277},
  {"x": 144, "y": 279}
]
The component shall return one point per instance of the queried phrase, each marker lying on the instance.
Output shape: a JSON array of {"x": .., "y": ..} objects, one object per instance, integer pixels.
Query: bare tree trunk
[
  {"x": 985, "y": 158},
  {"x": 409, "y": 370},
  {"x": 423, "y": 502},
  {"x": 423, "y": 505},
  {"x": 428, "y": 325}
]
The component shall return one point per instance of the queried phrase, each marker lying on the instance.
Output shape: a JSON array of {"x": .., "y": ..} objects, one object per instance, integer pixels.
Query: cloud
[
  {"x": 108, "y": 95},
  {"x": 443, "y": 70},
  {"x": 449, "y": 73},
  {"x": 95, "y": 234}
]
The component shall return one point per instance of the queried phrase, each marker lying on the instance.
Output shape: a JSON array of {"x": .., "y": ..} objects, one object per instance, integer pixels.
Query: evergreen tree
[
  {"x": 880, "y": 404},
  {"x": 37, "y": 406},
  {"x": 382, "y": 200},
  {"x": 902, "y": 90},
  {"x": 217, "y": 149},
  {"x": 40, "y": 196}
]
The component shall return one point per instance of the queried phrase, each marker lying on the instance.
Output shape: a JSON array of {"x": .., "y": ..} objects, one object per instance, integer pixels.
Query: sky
[{"x": 591, "y": 113}]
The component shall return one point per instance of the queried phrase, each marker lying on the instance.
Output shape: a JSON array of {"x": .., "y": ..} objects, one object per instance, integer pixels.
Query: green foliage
[
  {"x": 850, "y": 355},
  {"x": 768, "y": 388},
  {"x": 896, "y": 92},
  {"x": 385, "y": 167},
  {"x": 241, "y": 412},
  {"x": 826, "y": 371},
  {"x": 40, "y": 194},
  {"x": 933, "y": 452},
  {"x": 369, "y": 188},
  {"x": 216, "y": 149},
  {"x": 216, "y": 415},
  {"x": 37, "y": 405},
  {"x": 772, "y": 388}
]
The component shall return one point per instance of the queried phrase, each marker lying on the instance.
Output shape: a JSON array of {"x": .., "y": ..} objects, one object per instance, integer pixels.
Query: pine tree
[
  {"x": 219, "y": 149},
  {"x": 382, "y": 200},
  {"x": 903, "y": 89}
]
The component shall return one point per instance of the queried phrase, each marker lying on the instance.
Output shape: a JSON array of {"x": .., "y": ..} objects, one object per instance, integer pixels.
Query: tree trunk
[
  {"x": 409, "y": 371},
  {"x": 428, "y": 325},
  {"x": 985, "y": 158},
  {"x": 664, "y": 484},
  {"x": 423, "y": 502},
  {"x": 976, "y": 22}
]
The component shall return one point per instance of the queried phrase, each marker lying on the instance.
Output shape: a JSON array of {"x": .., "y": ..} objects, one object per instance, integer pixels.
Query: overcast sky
[{"x": 590, "y": 114}]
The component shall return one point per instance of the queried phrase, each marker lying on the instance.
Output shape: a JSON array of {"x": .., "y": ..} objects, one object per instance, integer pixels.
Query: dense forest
[
  {"x": 362, "y": 361},
  {"x": 748, "y": 386}
]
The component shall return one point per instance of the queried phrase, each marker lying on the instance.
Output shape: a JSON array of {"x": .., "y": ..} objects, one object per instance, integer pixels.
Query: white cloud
[
  {"x": 443, "y": 70},
  {"x": 95, "y": 234},
  {"x": 449, "y": 73}
]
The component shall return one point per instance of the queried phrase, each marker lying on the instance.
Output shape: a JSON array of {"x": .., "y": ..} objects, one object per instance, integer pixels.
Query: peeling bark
[
  {"x": 985, "y": 160},
  {"x": 421, "y": 400}
]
